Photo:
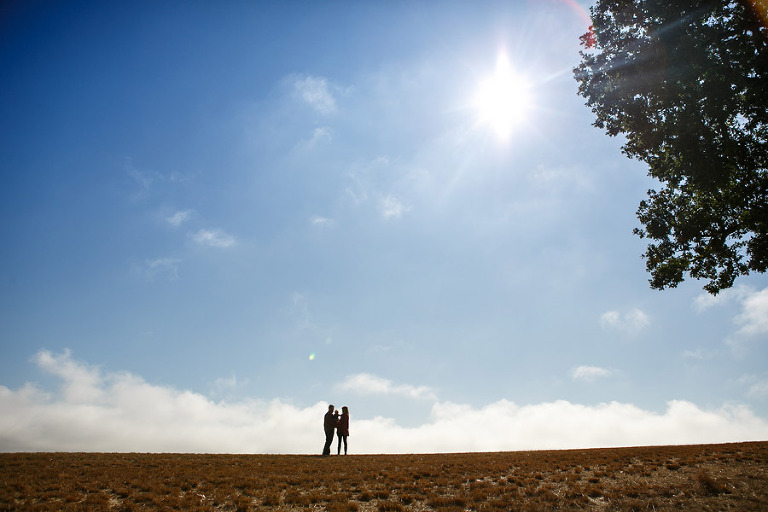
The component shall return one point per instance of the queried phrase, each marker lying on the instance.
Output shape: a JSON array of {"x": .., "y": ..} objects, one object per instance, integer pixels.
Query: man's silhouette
[{"x": 329, "y": 425}]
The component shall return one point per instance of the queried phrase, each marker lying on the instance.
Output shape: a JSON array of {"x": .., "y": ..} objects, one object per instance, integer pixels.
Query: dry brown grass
[{"x": 702, "y": 477}]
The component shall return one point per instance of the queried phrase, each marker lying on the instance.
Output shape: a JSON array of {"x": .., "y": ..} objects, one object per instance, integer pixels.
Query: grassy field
[{"x": 700, "y": 477}]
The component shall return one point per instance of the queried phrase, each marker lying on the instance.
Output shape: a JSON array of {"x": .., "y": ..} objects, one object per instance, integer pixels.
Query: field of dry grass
[{"x": 700, "y": 477}]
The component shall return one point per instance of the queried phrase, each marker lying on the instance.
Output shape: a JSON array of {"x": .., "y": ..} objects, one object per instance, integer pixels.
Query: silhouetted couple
[{"x": 340, "y": 423}]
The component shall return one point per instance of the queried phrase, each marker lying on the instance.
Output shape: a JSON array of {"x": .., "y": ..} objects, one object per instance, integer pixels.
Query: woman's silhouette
[{"x": 342, "y": 429}]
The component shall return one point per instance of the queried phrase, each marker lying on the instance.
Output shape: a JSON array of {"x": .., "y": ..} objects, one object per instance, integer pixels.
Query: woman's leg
[
  {"x": 338, "y": 450},
  {"x": 345, "y": 445}
]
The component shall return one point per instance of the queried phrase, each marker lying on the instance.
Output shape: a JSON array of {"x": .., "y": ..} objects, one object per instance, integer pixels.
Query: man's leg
[{"x": 328, "y": 441}]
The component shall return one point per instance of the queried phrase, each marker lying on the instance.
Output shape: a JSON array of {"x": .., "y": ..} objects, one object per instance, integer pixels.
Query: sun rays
[{"x": 502, "y": 100}]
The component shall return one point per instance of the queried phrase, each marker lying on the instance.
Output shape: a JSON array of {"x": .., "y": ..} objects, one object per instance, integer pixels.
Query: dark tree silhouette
[{"x": 686, "y": 84}]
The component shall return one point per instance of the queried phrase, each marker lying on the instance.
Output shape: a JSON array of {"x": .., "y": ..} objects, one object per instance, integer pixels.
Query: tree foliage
[{"x": 686, "y": 84}]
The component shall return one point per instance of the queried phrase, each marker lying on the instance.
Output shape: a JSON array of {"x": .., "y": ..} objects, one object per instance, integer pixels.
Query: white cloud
[
  {"x": 321, "y": 135},
  {"x": 629, "y": 323},
  {"x": 757, "y": 387},
  {"x": 225, "y": 382},
  {"x": 754, "y": 316},
  {"x": 697, "y": 354},
  {"x": 145, "y": 179},
  {"x": 358, "y": 196},
  {"x": 214, "y": 238},
  {"x": 149, "y": 181},
  {"x": 152, "y": 270},
  {"x": 365, "y": 383},
  {"x": 707, "y": 300},
  {"x": 610, "y": 318},
  {"x": 561, "y": 424},
  {"x": 363, "y": 178},
  {"x": 223, "y": 386},
  {"x": 300, "y": 311},
  {"x": 316, "y": 92},
  {"x": 392, "y": 208},
  {"x": 119, "y": 412},
  {"x": 179, "y": 218},
  {"x": 81, "y": 383},
  {"x": 590, "y": 373},
  {"x": 318, "y": 220},
  {"x": 93, "y": 411}
]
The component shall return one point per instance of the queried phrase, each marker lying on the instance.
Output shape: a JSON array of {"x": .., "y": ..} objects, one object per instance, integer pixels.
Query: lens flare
[{"x": 312, "y": 356}]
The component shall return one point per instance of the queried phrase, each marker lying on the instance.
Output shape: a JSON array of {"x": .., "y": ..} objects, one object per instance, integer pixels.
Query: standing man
[{"x": 329, "y": 425}]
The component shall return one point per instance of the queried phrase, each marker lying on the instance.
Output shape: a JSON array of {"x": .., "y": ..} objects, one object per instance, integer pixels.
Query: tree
[{"x": 686, "y": 84}]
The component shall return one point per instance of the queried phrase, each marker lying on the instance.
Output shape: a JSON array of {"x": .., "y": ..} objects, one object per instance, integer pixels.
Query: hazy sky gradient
[{"x": 220, "y": 217}]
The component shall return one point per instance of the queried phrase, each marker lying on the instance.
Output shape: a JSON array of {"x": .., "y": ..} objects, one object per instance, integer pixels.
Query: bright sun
[{"x": 502, "y": 99}]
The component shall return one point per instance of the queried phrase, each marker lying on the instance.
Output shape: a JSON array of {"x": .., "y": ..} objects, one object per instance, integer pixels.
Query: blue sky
[{"x": 220, "y": 217}]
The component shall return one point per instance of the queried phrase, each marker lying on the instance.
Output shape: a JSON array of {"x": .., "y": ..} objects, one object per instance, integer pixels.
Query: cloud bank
[{"x": 119, "y": 412}]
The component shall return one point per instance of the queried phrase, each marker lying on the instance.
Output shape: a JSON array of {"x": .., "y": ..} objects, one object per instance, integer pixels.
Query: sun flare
[{"x": 503, "y": 99}]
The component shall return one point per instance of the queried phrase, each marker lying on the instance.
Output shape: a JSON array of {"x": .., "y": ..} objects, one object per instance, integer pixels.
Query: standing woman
[{"x": 342, "y": 429}]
